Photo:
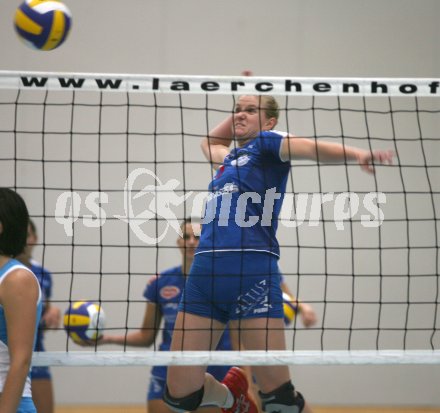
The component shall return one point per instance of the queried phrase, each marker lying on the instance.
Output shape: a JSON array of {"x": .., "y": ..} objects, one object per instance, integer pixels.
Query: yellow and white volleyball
[
  {"x": 290, "y": 307},
  {"x": 84, "y": 321},
  {"x": 43, "y": 24}
]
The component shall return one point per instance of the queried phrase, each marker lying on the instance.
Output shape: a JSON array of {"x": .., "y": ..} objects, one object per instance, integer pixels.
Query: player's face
[
  {"x": 31, "y": 240},
  {"x": 249, "y": 119},
  {"x": 190, "y": 240}
]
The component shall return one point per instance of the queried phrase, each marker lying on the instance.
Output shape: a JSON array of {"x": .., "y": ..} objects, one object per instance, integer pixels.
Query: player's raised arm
[
  {"x": 294, "y": 147},
  {"x": 216, "y": 145}
]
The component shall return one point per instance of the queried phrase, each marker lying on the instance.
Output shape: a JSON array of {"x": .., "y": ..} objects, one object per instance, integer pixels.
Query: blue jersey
[
  {"x": 245, "y": 198},
  {"x": 165, "y": 290},
  {"x": 45, "y": 279},
  {"x": 10, "y": 266}
]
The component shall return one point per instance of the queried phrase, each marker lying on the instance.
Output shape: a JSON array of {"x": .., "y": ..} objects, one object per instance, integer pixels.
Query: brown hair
[{"x": 270, "y": 106}]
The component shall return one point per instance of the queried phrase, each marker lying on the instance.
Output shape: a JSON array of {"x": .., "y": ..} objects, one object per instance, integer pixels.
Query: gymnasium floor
[{"x": 141, "y": 409}]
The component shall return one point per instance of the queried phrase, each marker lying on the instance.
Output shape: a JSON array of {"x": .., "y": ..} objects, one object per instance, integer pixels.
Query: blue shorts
[
  {"x": 156, "y": 388},
  {"x": 157, "y": 384},
  {"x": 233, "y": 285},
  {"x": 26, "y": 406},
  {"x": 40, "y": 373}
]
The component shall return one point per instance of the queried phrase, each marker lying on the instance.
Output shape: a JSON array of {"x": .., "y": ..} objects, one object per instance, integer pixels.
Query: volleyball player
[
  {"x": 234, "y": 277},
  {"x": 20, "y": 307},
  {"x": 41, "y": 379},
  {"x": 163, "y": 294}
]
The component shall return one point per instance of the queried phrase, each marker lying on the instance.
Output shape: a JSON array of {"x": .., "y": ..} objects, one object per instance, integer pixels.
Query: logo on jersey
[
  {"x": 241, "y": 160},
  {"x": 169, "y": 292}
]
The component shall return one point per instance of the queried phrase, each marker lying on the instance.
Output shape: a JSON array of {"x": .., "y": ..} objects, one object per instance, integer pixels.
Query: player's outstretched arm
[
  {"x": 143, "y": 337},
  {"x": 294, "y": 147}
]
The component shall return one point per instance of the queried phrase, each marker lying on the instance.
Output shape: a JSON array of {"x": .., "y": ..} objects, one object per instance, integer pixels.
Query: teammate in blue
[
  {"x": 163, "y": 293},
  {"x": 20, "y": 307},
  {"x": 41, "y": 379},
  {"x": 234, "y": 277}
]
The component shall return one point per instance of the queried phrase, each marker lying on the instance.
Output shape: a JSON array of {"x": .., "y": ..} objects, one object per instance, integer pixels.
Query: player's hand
[
  {"x": 367, "y": 159},
  {"x": 52, "y": 317},
  {"x": 91, "y": 343},
  {"x": 308, "y": 315}
]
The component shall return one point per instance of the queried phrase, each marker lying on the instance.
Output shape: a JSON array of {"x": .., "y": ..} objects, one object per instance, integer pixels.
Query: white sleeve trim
[
  {"x": 18, "y": 266},
  {"x": 284, "y": 135}
]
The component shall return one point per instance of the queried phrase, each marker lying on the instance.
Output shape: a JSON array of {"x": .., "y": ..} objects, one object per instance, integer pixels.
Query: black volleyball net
[{"x": 109, "y": 166}]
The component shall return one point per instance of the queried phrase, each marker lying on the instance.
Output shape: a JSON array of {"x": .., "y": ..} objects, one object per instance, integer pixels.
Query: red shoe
[{"x": 236, "y": 381}]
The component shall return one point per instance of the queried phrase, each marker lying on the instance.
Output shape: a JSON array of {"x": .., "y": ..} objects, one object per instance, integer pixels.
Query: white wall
[{"x": 395, "y": 38}]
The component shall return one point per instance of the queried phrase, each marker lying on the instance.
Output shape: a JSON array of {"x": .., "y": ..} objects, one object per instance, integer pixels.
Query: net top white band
[
  {"x": 291, "y": 86},
  {"x": 243, "y": 358}
]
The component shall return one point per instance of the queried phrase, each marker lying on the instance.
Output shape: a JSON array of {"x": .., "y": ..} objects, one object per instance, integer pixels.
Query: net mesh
[{"x": 93, "y": 155}]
